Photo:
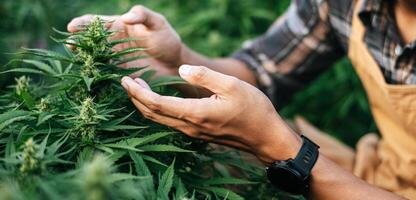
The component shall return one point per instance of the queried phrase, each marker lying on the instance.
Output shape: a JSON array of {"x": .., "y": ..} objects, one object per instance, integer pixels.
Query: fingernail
[
  {"x": 129, "y": 16},
  {"x": 185, "y": 70},
  {"x": 126, "y": 82}
]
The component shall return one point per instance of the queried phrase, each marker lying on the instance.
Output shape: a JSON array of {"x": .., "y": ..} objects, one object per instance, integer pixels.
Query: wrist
[{"x": 282, "y": 143}]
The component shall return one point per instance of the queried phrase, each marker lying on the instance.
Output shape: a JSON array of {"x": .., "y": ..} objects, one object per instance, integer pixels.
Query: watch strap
[{"x": 307, "y": 157}]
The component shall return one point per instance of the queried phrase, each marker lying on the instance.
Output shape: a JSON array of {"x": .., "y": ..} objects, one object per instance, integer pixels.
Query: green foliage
[
  {"x": 335, "y": 102},
  {"x": 67, "y": 131}
]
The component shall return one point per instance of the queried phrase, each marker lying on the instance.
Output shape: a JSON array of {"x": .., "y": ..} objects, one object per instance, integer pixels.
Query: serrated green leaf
[
  {"x": 122, "y": 127},
  {"x": 13, "y": 116},
  {"x": 42, "y": 146},
  {"x": 180, "y": 190},
  {"x": 166, "y": 181},
  {"x": 140, "y": 165},
  {"x": 41, "y": 66},
  {"x": 124, "y": 40},
  {"x": 166, "y": 80},
  {"x": 147, "y": 139},
  {"x": 114, "y": 177},
  {"x": 120, "y": 146},
  {"x": 10, "y": 147},
  {"x": 88, "y": 82},
  {"x": 23, "y": 70},
  {"x": 64, "y": 33},
  {"x": 127, "y": 51},
  {"x": 57, "y": 64},
  {"x": 130, "y": 59},
  {"x": 43, "y": 117},
  {"x": 163, "y": 148},
  {"x": 45, "y": 53},
  {"x": 117, "y": 121},
  {"x": 105, "y": 149},
  {"x": 27, "y": 99},
  {"x": 223, "y": 192},
  {"x": 134, "y": 142},
  {"x": 153, "y": 160},
  {"x": 225, "y": 181}
]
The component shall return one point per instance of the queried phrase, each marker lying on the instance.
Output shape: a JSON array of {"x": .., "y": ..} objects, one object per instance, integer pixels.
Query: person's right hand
[{"x": 152, "y": 30}]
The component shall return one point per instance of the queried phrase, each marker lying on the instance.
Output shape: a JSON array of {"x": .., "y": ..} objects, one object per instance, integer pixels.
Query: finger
[
  {"x": 78, "y": 23},
  {"x": 214, "y": 81},
  {"x": 142, "y": 15},
  {"x": 181, "y": 125},
  {"x": 168, "y": 121},
  {"x": 193, "y": 110},
  {"x": 70, "y": 44},
  {"x": 186, "y": 127},
  {"x": 142, "y": 83}
]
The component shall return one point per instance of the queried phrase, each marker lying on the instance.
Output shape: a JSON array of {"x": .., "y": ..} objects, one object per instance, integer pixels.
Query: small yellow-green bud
[
  {"x": 86, "y": 121},
  {"x": 30, "y": 158},
  {"x": 43, "y": 104},
  {"x": 22, "y": 85},
  {"x": 95, "y": 178},
  {"x": 87, "y": 110}
]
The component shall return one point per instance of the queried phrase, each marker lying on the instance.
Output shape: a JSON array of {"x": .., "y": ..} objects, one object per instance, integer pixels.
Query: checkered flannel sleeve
[{"x": 295, "y": 49}]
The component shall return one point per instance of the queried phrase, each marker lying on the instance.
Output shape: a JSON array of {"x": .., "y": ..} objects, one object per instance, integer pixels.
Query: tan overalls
[{"x": 389, "y": 162}]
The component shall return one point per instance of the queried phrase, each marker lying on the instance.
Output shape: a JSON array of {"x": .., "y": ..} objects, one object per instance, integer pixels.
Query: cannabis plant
[{"x": 68, "y": 130}]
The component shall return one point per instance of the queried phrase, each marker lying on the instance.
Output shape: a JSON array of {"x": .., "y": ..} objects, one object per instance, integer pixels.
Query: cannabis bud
[
  {"x": 95, "y": 178},
  {"x": 43, "y": 105},
  {"x": 22, "y": 85},
  {"x": 89, "y": 68},
  {"x": 96, "y": 29},
  {"x": 94, "y": 43},
  {"x": 87, "y": 111},
  {"x": 86, "y": 120},
  {"x": 31, "y": 160}
]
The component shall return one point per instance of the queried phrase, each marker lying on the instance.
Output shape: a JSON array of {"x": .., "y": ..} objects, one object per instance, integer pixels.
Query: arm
[
  {"x": 166, "y": 50},
  {"x": 241, "y": 116},
  {"x": 296, "y": 49},
  {"x": 330, "y": 181},
  {"x": 299, "y": 46}
]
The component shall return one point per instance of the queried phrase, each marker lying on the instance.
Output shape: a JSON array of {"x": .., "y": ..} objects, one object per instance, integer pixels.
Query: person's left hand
[{"x": 237, "y": 114}]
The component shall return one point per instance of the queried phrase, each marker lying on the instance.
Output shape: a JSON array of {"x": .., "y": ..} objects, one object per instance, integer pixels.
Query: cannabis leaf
[{"x": 68, "y": 130}]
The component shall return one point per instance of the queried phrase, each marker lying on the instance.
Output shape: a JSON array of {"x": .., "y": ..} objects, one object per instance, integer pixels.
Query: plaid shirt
[{"x": 313, "y": 34}]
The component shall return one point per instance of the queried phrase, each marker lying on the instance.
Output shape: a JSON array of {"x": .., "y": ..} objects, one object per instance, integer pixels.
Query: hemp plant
[{"x": 69, "y": 131}]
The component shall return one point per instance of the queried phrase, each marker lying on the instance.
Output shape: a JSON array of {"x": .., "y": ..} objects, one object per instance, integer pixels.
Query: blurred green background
[{"x": 335, "y": 102}]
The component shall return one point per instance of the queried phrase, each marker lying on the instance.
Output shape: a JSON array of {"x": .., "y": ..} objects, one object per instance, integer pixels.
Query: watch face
[{"x": 286, "y": 179}]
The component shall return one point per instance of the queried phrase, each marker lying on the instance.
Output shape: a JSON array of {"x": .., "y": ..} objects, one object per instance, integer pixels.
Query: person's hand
[
  {"x": 237, "y": 114},
  {"x": 153, "y": 32}
]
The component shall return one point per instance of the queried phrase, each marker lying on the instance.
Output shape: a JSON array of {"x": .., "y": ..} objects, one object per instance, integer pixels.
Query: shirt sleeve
[{"x": 294, "y": 51}]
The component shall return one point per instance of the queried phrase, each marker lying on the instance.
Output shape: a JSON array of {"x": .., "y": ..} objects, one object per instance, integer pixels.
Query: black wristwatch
[{"x": 293, "y": 175}]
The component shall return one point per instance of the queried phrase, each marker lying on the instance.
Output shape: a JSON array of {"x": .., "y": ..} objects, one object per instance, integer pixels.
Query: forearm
[
  {"x": 330, "y": 181},
  {"x": 227, "y": 66}
]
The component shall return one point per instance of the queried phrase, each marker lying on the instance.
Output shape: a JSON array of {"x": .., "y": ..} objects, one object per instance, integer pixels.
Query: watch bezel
[
  {"x": 285, "y": 177},
  {"x": 293, "y": 175}
]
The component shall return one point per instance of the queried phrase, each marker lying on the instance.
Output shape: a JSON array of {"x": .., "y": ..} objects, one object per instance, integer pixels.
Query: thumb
[
  {"x": 202, "y": 76},
  {"x": 142, "y": 15}
]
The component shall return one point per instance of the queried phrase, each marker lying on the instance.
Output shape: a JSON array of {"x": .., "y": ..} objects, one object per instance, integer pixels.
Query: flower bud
[
  {"x": 30, "y": 158},
  {"x": 94, "y": 178},
  {"x": 22, "y": 85}
]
